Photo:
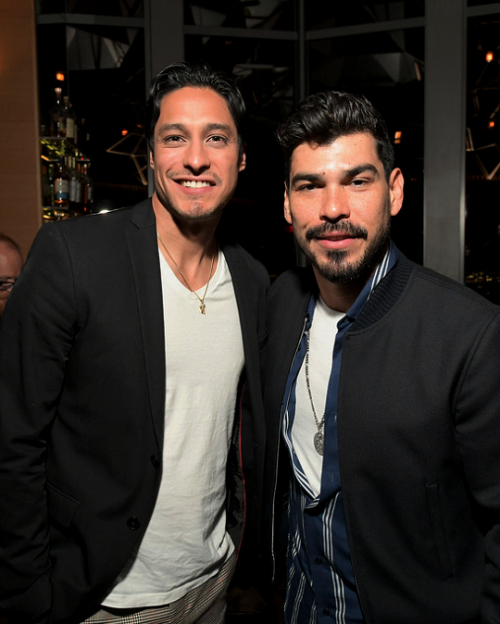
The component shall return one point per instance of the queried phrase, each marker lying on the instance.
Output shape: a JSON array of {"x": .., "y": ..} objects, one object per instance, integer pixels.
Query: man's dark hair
[
  {"x": 323, "y": 117},
  {"x": 193, "y": 74}
]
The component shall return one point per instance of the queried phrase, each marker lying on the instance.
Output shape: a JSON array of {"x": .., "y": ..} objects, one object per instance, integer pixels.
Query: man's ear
[
  {"x": 151, "y": 159},
  {"x": 243, "y": 161},
  {"x": 286, "y": 206},
  {"x": 396, "y": 192}
]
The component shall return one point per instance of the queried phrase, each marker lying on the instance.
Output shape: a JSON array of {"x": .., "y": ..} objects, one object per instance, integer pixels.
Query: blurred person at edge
[
  {"x": 130, "y": 398},
  {"x": 382, "y": 395},
  {"x": 11, "y": 263}
]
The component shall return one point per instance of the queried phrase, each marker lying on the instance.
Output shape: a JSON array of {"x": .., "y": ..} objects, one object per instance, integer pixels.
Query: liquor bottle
[
  {"x": 77, "y": 125},
  {"x": 73, "y": 183},
  {"x": 79, "y": 188},
  {"x": 69, "y": 118},
  {"x": 61, "y": 186},
  {"x": 57, "y": 118},
  {"x": 88, "y": 190},
  {"x": 51, "y": 185},
  {"x": 47, "y": 185}
]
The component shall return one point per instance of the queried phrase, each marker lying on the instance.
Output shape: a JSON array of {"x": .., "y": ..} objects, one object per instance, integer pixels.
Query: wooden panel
[{"x": 20, "y": 206}]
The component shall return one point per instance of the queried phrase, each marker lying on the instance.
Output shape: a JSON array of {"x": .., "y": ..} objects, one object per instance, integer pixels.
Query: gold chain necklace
[{"x": 200, "y": 299}]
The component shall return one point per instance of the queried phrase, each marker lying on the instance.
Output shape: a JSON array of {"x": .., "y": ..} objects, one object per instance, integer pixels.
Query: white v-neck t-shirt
[{"x": 186, "y": 541}]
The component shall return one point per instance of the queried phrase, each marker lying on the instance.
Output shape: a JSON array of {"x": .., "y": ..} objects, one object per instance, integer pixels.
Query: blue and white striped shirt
[{"x": 320, "y": 579}]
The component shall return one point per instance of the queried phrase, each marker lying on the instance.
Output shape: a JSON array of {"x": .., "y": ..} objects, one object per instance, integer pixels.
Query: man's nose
[
  {"x": 196, "y": 156},
  {"x": 335, "y": 204}
]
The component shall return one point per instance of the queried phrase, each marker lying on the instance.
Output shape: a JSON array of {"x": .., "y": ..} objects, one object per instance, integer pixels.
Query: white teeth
[{"x": 194, "y": 183}]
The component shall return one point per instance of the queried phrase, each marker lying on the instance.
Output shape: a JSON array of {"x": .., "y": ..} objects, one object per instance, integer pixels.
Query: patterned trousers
[{"x": 205, "y": 604}]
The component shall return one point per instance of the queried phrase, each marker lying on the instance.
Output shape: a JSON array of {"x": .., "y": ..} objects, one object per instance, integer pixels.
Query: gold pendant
[{"x": 202, "y": 308}]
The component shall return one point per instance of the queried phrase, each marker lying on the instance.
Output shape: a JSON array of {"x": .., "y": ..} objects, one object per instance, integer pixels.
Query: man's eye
[
  {"x": 359, "y": 182},
  {"x": 307, "y": 187},
  {"x": 173, "y": 138},
  {"x": 217, "y": 138}
]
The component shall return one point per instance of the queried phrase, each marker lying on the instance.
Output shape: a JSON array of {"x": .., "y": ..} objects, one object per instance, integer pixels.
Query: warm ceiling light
[
  {"x": 489, "y": 57},
  {"x": 491, "y": 124},
  {"x": 124, "y": 132},
  {"x": 60, "y": 77},
  {"x": 397, "y": 136}
]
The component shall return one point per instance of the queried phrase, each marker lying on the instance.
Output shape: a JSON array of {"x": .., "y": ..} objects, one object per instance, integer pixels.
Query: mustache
[{"x": 345, "y": 227}]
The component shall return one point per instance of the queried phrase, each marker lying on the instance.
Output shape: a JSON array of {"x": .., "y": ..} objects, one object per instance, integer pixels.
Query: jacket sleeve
[
  {"x": 477, "y": 413},
  {"x": 36, "y": 336}
]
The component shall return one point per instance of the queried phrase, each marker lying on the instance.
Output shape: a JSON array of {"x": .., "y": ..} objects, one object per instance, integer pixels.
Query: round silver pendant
[{"x": 318, "y": 443}]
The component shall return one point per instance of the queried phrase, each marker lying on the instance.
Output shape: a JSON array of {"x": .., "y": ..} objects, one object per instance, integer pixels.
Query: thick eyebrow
[
  {"x": 306, "y": 177},
  {"x": 356, "y": 171},
  {"x": 348, "y": 174},
  {"x": 218, "y": 126},
  {"x": 167, "y": 127},
  {"x": 210, "y": 127}
]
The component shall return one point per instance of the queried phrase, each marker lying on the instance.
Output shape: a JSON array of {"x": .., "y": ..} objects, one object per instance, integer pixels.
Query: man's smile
[{"x": 195, "y": 183}]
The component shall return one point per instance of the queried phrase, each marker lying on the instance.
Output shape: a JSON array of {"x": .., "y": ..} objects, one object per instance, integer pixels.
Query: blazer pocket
[
  {"x": 62, "y": 507},
  {"x": 438, "y": 530}
]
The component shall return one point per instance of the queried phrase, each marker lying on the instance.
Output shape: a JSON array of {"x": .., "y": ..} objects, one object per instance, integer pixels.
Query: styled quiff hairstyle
[
  {"x": 323, "y": 117},
  {"x": 193, "y": 74}
]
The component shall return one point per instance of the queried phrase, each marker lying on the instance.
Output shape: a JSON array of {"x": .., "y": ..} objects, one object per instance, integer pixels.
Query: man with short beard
[{"x": 382, "y": 396}]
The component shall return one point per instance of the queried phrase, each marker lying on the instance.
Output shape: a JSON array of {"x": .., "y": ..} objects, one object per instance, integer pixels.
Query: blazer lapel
[{"x": 141, "y": 239}]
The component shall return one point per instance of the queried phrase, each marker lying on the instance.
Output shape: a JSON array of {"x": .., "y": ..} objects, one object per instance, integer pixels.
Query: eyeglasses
[{"x": 6, "y": 285}]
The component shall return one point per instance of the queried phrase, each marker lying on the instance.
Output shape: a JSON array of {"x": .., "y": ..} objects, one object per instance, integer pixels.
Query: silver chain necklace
[{"x": 319, "y": 438}]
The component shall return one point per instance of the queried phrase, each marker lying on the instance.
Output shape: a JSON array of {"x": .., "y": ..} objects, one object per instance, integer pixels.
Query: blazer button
[
  {"x": 155, "y": 461},
  {"x": 133, "y": 523}
]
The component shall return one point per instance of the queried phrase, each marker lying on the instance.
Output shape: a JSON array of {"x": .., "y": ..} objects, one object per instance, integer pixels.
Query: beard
[{"x": 337, "y": 268}]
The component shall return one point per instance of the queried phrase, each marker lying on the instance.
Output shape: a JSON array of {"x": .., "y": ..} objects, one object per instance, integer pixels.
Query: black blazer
[{"x": 82, "y": 387}]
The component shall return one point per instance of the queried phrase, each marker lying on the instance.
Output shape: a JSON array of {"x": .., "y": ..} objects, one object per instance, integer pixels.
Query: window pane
[
  {"x": 482, "y": 233},
  {"x": 122, "y": 8},
  {"x": 265, "y": 14},
  {"x": 336, "y": 14}
]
